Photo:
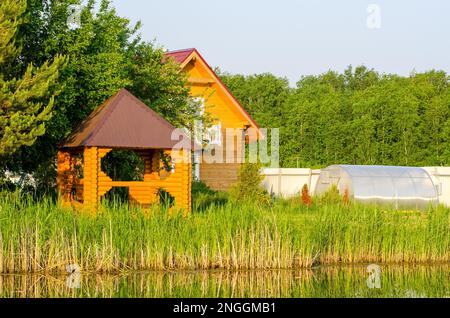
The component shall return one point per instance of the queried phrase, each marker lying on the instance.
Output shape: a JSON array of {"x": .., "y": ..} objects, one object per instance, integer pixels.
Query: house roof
[
  {"x": 180, "y": 55},
  {"x": 123, "y": 121},
  {"x": 183, "y": 57}
]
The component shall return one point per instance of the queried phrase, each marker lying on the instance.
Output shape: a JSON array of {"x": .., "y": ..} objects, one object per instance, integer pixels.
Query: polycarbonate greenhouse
[{"x": 401, "y": 187}]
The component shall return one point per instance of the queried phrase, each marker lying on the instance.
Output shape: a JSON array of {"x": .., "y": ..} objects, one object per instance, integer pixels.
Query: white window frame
[
  {"x": 214, "y": 134},
  {"x": 196, "y": 161},
  {"x": 199, "y": 132}
]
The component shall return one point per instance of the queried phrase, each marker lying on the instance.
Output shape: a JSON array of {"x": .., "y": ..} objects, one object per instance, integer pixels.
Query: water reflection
[{"x": 393, "y": 281}]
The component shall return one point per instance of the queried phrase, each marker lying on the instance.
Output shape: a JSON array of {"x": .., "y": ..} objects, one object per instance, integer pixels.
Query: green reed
[{"x": 41, "y": 236}]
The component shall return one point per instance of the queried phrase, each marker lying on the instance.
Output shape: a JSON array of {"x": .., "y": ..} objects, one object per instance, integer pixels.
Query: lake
[{"x": 343, "y": 281}]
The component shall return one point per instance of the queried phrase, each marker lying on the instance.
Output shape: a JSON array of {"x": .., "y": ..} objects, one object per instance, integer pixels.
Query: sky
[{"x": 293, "y": 38}]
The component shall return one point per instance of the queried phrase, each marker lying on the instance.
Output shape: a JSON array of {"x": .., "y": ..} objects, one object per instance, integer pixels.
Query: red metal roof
[
  {"x": 123, "y": 121},
  {"x": 181, "y": 55}
]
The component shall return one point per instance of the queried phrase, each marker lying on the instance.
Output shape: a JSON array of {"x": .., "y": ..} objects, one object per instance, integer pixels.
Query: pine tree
[{"x": 26, "y": 101}]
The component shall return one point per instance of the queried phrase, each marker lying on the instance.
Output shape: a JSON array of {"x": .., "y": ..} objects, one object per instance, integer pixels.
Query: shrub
[
  {"x": 199, "y": 187},
  {"x": 248, "y": 186},
  {"x": 331, "y": 196},
  {"x": 306, "y": 198},
  {"x": 204, "y": 197},
  {"x": 346, "y": 197}
]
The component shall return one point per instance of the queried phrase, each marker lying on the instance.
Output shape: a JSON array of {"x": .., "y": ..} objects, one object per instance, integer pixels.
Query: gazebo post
[
  {"x": 63, "y": 175},
  {"x": 184, "y": 168},
  {"x": 90, "y": 189}
]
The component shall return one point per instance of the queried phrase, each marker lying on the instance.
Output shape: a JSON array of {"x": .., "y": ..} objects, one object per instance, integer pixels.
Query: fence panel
[{"x": 288, "y": 182}]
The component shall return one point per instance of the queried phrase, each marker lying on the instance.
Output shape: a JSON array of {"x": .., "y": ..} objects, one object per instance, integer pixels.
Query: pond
[{"x": 355, "y": 281}]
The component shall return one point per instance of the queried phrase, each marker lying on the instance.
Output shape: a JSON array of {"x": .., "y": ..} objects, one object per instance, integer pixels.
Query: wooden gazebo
[{"x": 123, "y": 122}]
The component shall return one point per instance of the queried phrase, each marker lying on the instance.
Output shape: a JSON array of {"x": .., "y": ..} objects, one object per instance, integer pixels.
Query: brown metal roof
[{"x": 123, "y": 121}]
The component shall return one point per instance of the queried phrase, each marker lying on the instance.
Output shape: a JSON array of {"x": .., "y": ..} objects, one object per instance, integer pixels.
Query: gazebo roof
[{"x": 123, "y": 121}]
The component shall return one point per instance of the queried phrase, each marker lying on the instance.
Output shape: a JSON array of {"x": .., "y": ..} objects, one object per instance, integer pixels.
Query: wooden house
[{"x": 226, "y": 112}]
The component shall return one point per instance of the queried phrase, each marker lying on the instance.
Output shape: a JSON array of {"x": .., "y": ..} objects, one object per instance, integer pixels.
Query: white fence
[{"x": 288, "y": 182}]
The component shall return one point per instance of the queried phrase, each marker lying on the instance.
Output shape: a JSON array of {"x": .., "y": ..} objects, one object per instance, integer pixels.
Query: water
[{"x": 357, "y": 281}]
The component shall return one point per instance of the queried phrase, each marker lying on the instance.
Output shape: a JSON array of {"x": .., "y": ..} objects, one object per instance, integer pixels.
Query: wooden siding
[
  {"x": 221, "y": 175},
  {"x": 218, "y": 176}
]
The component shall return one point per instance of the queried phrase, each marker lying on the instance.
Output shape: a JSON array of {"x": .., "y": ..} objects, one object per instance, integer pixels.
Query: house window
[
  {"x": 214, "y": 135},
  {"x": 196, "y": 160},
  {"x": 198, "y": 129}
]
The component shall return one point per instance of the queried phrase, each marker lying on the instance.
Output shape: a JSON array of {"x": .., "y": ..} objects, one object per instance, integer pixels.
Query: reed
[{"x": 39, "y": 236}]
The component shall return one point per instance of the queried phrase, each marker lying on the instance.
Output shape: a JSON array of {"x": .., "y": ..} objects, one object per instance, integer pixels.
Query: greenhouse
[{"x": 401, "y": 187}]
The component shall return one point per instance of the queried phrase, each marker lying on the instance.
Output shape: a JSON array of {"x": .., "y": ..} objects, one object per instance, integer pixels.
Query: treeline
[{"x": 358, "y": 117}]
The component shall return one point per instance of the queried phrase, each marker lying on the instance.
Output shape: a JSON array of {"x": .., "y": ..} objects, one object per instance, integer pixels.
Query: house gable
[
  {"x": 225, "y": 108},
  {"x": 205, "y": 83}
]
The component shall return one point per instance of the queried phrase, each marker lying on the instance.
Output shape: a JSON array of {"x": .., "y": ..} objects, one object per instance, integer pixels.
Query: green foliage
[
  {"x": 10, "y": 18},
  {"x": 358, "y": 117},
  {"x": 331, "y": 196},
  {"x": 203, "y": 197},
  {"x": 263, "y": 96},
  {"x": 26, "y": 100},
  {"x": 248, "y": 187},
  {"x": 105, "y": 54},
  {"x": 200, "y": 187},
  {"x": 123, "y": 165},
  {"x": 166, "y": 199}
]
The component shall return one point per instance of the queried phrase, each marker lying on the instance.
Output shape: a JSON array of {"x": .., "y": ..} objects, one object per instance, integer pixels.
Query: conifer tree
[{"x": 26, "y": 101}]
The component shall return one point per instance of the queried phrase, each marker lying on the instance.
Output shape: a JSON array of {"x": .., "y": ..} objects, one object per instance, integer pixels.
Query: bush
[
  {"x": 204, "y": 197},
  {"x": 199, "y": 187},
  {"x": 306, "y": 198},
  {"x": 331, "y": 196},
  {"x": 248, "y": 186}
]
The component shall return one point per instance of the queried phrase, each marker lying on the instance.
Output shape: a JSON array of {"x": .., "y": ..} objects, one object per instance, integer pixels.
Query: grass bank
[{"x": 40, "y": 236}]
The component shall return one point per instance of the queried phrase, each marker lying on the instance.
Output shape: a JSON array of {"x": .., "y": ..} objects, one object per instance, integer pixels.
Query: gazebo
[{"x": 124, "y": 122}]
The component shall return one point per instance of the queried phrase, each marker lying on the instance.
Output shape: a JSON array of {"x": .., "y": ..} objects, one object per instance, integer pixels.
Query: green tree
[
  {"x": 248, "y": 188},
  {"x": 356, "y": 117},
  {"x": 105, "y": 54},
  {"x": 262, "y": 95},
  {"x": 26, "y": 100}
]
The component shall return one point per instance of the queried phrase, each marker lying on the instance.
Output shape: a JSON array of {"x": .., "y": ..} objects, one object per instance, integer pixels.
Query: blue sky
[{"x": 293, "y": 38}]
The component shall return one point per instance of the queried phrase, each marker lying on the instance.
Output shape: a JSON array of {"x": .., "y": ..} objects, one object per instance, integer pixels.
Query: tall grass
[{"x": 40, "y": 236}]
